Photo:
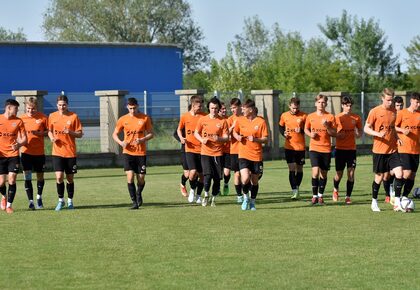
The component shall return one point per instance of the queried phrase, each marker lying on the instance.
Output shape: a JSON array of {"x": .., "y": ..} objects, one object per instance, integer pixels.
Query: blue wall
[{"x": 79, "y": 67}]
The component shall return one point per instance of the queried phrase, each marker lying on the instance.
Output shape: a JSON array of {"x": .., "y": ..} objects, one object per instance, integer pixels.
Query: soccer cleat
[
  {"x": 295, "y": 194},
  {"x": 239, "y": 199},
  {"x": 205, "y": 201},
  {"x": 9, "y": 210},
  {"x": 134, "y": 206},
  {"x": 198, "y": 200},
  {"x": 59, "y": 206},
  {"x": 213, "y": 201},
  {"x": 3, "y": 203},
  {"x": 31, "y": 206},
  {"x": 191, "y": 196},
  {"x": 314, "y": 200},
  {"x": 252, "y": 206},
  {"x": 392, "y": 200},
  {"x": 387, "y": 199},
  {"x": 374, "y": 207},
  {"x": 226, "y": 189},
  {"x": 139, "y": 199},
  {"x": 321, "y": 200},
  {"x": 348, "y": 200},
  {"x": 183, "y": 190},
  {"x": 70, "y": 205},
  {"x": 335, "y": 195},
  {"x": 39, "y": 204},
  {"x": 245, "y": 204}
]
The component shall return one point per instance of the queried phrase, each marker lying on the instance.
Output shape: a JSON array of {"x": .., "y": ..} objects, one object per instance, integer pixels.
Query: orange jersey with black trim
[
  {"x": 347, "y": 123},
  {"x": 411, "y": 121},
  {"x": 295, "y": 140},
  {"x": 256, "y": 128},
  {"x": 322, "y": 142},
  {"x": 226, "y": 145},
  {"x": 65, "y": 145},
  {"x": 382, "y": 119},
  {"x": 209, "y": 128},
  {"x": 136, "y": 126},
  {"x": 234, "y": 144},
  {"x": 38, "y": 122},
  {"x": 189, "y": 122},
  {"x": 10, "y": 130}
]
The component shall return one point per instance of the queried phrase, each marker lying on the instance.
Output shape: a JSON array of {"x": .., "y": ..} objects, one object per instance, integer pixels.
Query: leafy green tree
[
  {"x": 7, "y": 35},
  {"x": 141, "y": 21},
  {"x": 413, "y": 62},
  {"x": 362, "y": 43}
]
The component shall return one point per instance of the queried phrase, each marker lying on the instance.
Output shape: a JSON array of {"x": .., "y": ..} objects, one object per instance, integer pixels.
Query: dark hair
[
  {"x": 11, "y": 102},
  {"x": 235, "y": 102},
  {"x": 398, "y": 99},
  {"x": 63, "y": 98},
  {"x": 132, "y": 102},
  {"x": 214, "y": 101},
  {"x": 415, "y": 96},
  {"x": 294, "y": 101},
  {"x": 249, "y": 104},
  {"x": 196, "y": 99},
  {"x": 346, "y": 100}
]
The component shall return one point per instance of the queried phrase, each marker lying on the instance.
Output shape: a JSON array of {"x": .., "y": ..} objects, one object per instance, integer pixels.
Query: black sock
[
  {"x": 292, "y": 179},
  {"x": 315, "y": 185},
  {"x": 336, "y": 183},
  {"x": 408, "y": 186},
  {"x": 207, "y": 183},
  {"x": 200, "y": 187},
  {"x": 29, "y": 189},
  {"x": 391, "y": 179},
  {"x": 238, "y": 189},
  {"x": 375, "y": 189},
  {"x": 350, "y": 185},
  {"x": 322, "y": 184},
  {"x": 11, "y": 193},
  {"x": 399, "y": 183},
  {"x": 193, "y": 183},
  {"x": 254, "y": 191},
  {"x": 3, "y": 190},
  {"x": 386, "y": 187},
  {"x": 140, "y": 187},
  {"x": 40, "y": 186},
  {"x": 60, "y": 190},
  {"x": 216, "y": 186},
  {"x": 299, "y": 177},
  {"x": 183, "y": 179},
  {"x": 226, "y": 178},
  {"x": 70, "y": 190},
  {"x": 132, "y": 191},
  {"x": 245, "y": 188}
]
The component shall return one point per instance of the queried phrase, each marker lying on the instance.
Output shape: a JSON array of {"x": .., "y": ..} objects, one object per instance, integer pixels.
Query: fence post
[
  {"x": 22, "y": 96},
  {"x": 362, "y": 110},
  {"x": 334, "y": 101},
  {"x": 184, "y": 98},
  {"x": 111, "y": 107},
  {"x": 145, "y": 102},
  {"x": 267, "y": 103},
  {"x": 404, "y": 95}
]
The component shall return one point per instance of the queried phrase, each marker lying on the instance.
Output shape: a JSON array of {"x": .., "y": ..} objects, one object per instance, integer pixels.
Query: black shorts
[
  {"x": 194, "y": 161},
  {"x": 293, "y": 156},
  {"x": 385, "y": 162},
  {"x": 320, "y": 159},
  {"x": 345, "y": 158},
  {"x": 409, "y": 161},
  {"x": 234, "y": 162},
  {"x": 184, "y": 160},
  {"x": 226, "y": 161},
  {"x": 67, "y": 165},
  {"x": 135, "y": 163},
  {"x": 9, "y": 164},
  {"x": 256, "y": 167},
  {"x": 212, "y": 165},
  {"x": 34, "y": 163}
]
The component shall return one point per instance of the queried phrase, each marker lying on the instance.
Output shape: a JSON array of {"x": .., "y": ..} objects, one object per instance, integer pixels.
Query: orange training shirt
[
  {"x": 409, "y": 120},
  {"x": 382, "y": 119},
  {"x": 208, "y": 127},
  {"x": 39, "y": 123},
  {"x": 136, "y": 126},
  {"x": 322, "y": 142},
  {"x": 295, "y": 140},
  {"x": 65, "y": 146},
  {"x": 9, "y": 132},
  {"x": 189, "y": 122},
  {"x": 346, "y": 123},
  {"x": 234, "y": 144},
  {"x": 256, "y": 128}
]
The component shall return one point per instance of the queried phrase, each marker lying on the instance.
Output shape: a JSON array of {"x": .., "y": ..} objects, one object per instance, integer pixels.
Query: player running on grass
[
  {"x": 320, "y": 126},
  {"x": 251, "y": 132},
  {"x": 63, "y": 129},
  {"x": 381, "y": 125},
  {"x": 291, "y": 126},
  {"x": 349, "y": 127},
  {"x": 32, "y": 154},
  {"x": 12, "y": 137},
  {"x": 408, "y": 124},
  {"x": 226, "y": 153},
  {"x": 138, "y": 130},
  {"x": 212, "y": 132}
]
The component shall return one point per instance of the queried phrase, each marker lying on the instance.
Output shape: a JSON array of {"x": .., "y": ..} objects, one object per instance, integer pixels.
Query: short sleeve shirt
[
  {"x": 37, "y": 122},
  {"x": 382, "y": 119},
  {"x": 10, "y": 129},
  {"x": 322, "y": 142},
  {"x": 256, "y": 127},
  {"x": 189, "y": 123},
  {"x": 409, "y": 120},
  {"x": 347, "y": 123},
  {"x": 208, "y": 127},
  {"x": 296, "y": 140}
]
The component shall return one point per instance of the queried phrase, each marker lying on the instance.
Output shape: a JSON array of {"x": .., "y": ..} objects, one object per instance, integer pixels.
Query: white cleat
[
  {"x": 374, "y": 206},
  {"x": 198, "y": 200},
  {"x": 205, "y": 201},
  {"x": 191, "y": 196},
  {"x": 213, "y": 201}
]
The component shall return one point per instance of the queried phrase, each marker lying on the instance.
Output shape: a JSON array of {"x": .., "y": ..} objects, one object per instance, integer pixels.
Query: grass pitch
[{"x": 169, "y": 243}]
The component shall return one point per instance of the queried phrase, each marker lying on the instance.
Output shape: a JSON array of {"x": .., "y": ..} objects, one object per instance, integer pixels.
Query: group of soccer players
[{"x": 22, "y": 141}]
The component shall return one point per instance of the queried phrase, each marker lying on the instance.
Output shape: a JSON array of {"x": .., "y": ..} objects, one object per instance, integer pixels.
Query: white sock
[
  {"x": 319, "y": 194},
  {"x": 9, "y": 204},
  {"x": 374, "y": 200},
  {"x": 61, "y": 199},
  {"x": 38, "y": 196},
  {"x": 397, "y": 201},
  {"x": 69, "y": 200},
  {"x": 31, "y": 201},
  {"x": 206, "y": 194}
]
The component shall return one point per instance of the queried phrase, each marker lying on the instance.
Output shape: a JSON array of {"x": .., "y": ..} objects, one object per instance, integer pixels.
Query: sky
[{"x": 221, "y": 20}]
